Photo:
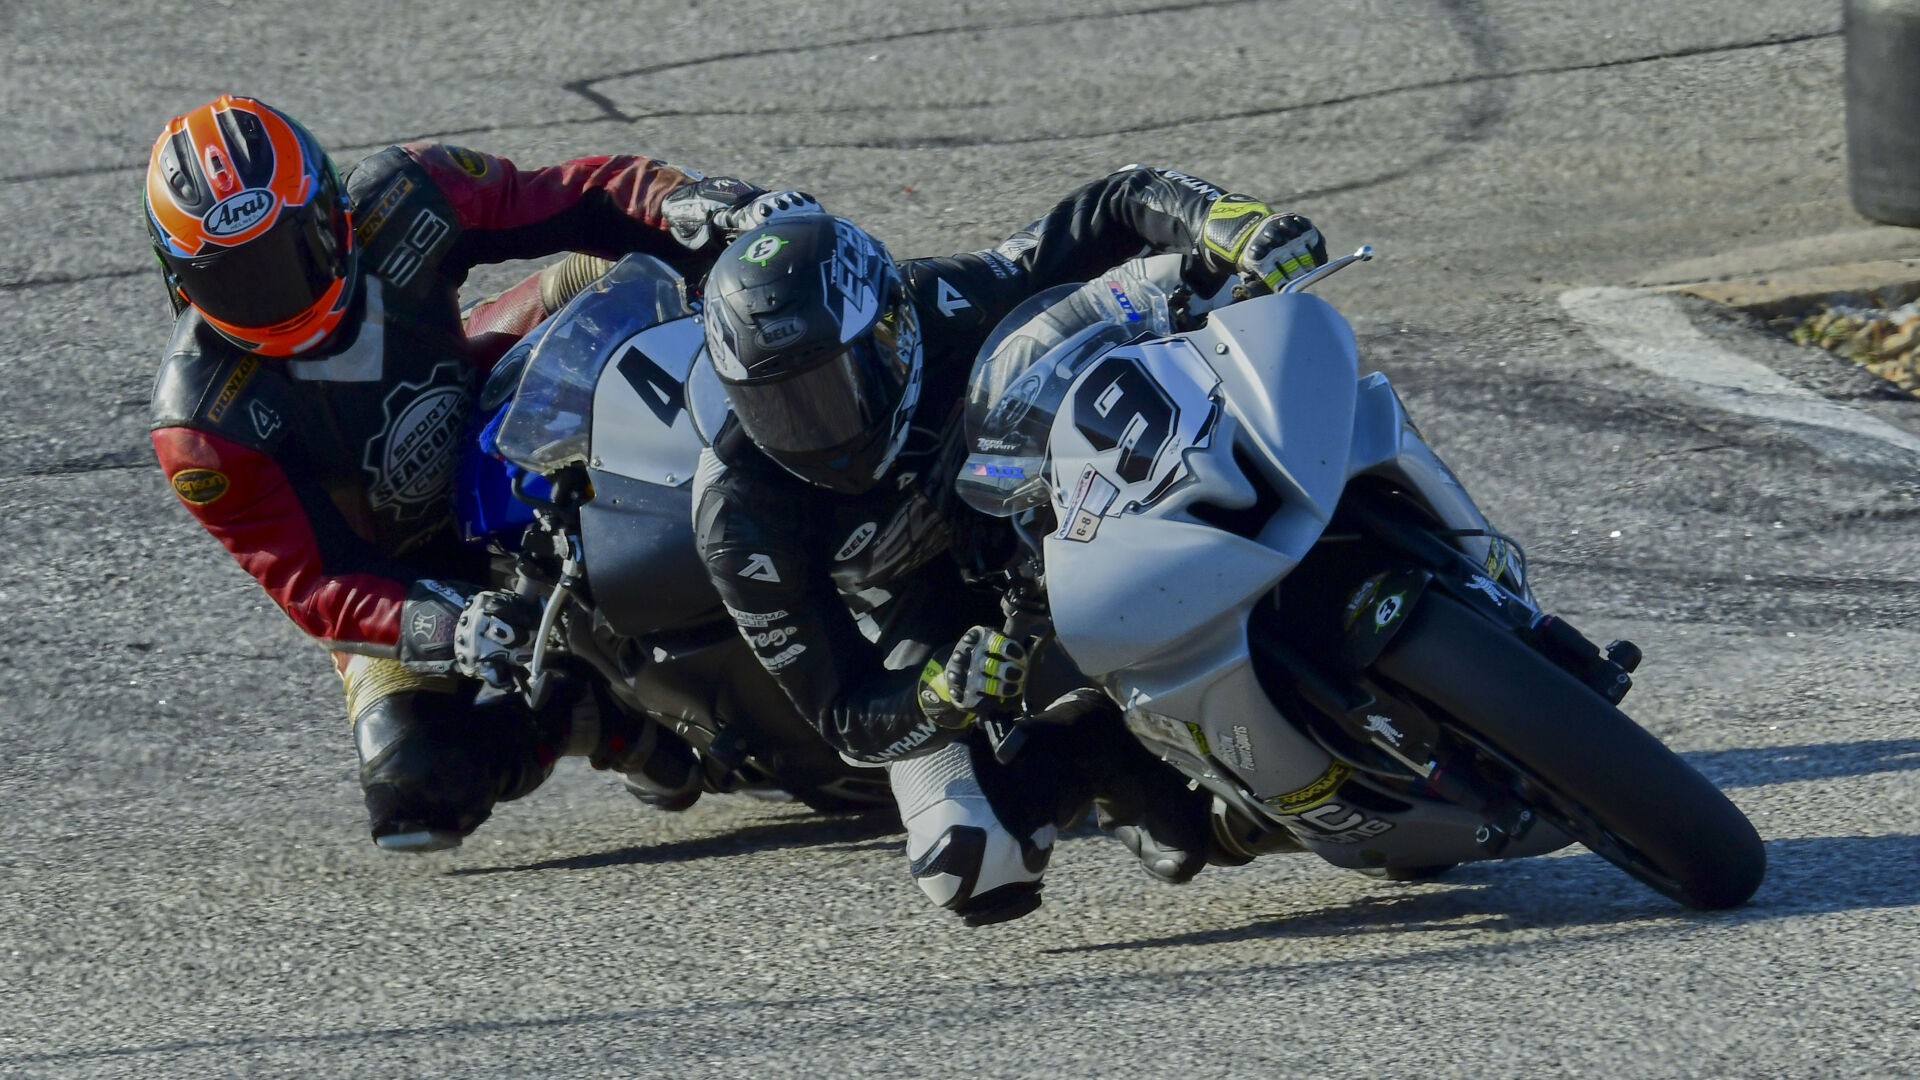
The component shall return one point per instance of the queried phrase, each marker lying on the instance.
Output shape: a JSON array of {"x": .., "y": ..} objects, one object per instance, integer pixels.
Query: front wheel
[{"x": 1595, "y": 773}]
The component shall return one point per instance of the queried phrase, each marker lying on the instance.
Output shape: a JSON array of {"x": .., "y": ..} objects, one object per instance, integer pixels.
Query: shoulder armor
[
  {"x": 208, "y": 384},
  {"x": 402, "y": 221}
]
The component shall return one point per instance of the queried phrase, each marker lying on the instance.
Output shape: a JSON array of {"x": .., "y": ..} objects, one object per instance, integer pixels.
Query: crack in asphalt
[
  {"x": 131, "y": 458},
  {"x": 607, "y": 110},
  {"x": 1475, "y": 122},
  {"x": 1693, "y": 597},
  {"x": 1474, "y": 79},
  {"x": 67, "y": 279},
  {"x": 612, "y": 111}
]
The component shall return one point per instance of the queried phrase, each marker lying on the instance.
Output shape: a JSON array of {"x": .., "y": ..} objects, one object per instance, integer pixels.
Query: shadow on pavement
[
  {"x": 1813, "y": 761},
  {"x": 1807, "y": 876},
  {"x": 838, "y": 833}
]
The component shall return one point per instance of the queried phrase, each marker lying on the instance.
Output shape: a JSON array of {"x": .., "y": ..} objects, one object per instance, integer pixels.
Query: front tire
[{"x": 1604, "y": 779}]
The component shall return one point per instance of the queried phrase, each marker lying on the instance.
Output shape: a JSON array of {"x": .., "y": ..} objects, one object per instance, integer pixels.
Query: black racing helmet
[{"x": 813, "y": 336}]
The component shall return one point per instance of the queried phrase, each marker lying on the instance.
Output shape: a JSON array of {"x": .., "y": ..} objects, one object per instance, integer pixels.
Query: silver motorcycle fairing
[
  {"x": 644, "y": 405},
  {"x": 1279, "y": 378}
]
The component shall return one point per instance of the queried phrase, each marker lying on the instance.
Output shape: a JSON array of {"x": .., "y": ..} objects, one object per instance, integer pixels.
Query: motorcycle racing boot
[
  {"x": 1143, "y": 802},
  {"x": 962, "y": 856},
  {"x": 432, "y": 761},
  {"x": 657, "y": 767}
]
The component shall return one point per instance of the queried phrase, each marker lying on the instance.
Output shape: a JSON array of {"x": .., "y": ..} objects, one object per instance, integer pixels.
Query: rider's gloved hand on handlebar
[
  {"x": 772, "y": 206},
  {"x": 986, "y": 669},
  {"x": 1243, "y": 235},
  {"x": 710, "y": 212},
  {"x": 493, "y": 638}
]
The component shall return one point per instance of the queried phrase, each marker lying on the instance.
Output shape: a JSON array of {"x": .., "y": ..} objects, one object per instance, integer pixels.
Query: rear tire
[{"x": 1609, "y": 783}]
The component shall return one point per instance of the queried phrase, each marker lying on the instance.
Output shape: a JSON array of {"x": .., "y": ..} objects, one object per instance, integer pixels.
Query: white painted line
[{"x": 1650, "y": 331}]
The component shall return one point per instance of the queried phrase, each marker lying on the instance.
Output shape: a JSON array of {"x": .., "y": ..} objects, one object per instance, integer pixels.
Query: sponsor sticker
[
  {"x": 474, "y": 165},
  {"x": 1337, "y": 824},
  {"x": 777, "y": 332},
  {"x": 1486, "y": 585},
  {"x": 199, "y": 486},
  {"x": 784, "y": 657},
  {"x": 1383, "y": 727},
  {"x": 1239, "y": 753},
  {"x": 375, "y": 219},
  {"x": 265, "y": 420},
  {"x": 1322, "y": 789},
  {"x": 774, "y": 638},
  {"x": 429, "y": 627},
  {"x": 230, "y": 390},
  {"x": 239, "y": 212},
  {"x": 1091, "y": 498},
  {"x": 857, "y": 541},
  {"x": 848, "y": 277},
  {"x": 762, "y": 249},
  {"x": 754, "y": 619},
  {"x": 411, "y": 461},
  {"x": 1389, "y": 610}
]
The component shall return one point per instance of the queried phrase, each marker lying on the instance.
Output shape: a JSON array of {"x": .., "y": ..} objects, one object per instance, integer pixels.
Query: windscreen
[
  {"x": 1023, "y": 372},
  {"x": 550, "y": 421}
]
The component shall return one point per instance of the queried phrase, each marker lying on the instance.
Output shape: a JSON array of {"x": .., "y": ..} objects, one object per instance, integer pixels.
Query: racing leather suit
[
  {"x": 844, "y": 597},
  {"x": 328, "y": 474}
]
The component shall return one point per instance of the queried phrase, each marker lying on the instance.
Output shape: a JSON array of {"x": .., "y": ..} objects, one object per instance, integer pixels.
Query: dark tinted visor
[
  {"x": 831, "y": 405},
  {"x": 276, "y": 275}
]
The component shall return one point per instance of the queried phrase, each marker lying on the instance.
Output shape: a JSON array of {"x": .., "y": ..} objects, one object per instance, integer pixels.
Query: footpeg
[{"x": 1494, "y": 836}]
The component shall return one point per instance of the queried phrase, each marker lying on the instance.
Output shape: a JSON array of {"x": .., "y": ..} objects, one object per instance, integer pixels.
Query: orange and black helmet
[{"x": 250, "y": 220}]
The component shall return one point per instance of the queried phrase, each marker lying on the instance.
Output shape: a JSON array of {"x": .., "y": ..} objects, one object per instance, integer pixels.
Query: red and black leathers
[
  {"x": 801, "y": 567},
  {"x": 327, "y": 474}
]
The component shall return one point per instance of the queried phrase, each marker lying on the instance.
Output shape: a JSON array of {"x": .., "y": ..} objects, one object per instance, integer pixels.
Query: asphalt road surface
[{"x": 185, "y": 883}]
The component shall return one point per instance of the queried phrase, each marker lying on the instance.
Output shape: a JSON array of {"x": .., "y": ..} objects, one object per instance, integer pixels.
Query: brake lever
[{"x": 572, "y": 568}]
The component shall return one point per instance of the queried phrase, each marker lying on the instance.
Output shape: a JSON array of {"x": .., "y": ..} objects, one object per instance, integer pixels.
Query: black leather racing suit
[{"x": 801, "y": 567}]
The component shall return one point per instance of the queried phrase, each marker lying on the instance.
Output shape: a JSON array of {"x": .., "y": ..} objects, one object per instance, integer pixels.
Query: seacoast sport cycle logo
[{"x": 411, "y": 460}]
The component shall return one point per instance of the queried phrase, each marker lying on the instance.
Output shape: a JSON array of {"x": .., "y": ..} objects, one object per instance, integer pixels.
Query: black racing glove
[
  {"x": 709, "y": 213},
  {"x": 427, "y": 619},
  {"x": 455, "y": 626},
  {"x": 1243, "y": 235},
  {"x": 986, "y": 668}
]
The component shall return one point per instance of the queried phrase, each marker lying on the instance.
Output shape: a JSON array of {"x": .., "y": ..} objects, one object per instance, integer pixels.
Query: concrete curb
[{"x": 1795, "y": 277}]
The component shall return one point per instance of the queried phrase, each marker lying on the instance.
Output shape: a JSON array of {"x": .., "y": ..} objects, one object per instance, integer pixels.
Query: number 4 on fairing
[{"x": 664, "y": 394}]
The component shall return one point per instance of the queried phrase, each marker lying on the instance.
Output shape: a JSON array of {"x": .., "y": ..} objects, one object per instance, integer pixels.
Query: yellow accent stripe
[{"x": 369, "y": 678}]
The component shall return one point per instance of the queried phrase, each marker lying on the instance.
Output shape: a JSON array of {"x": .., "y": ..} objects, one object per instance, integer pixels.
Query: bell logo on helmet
[{"x": 237, "y": 213}]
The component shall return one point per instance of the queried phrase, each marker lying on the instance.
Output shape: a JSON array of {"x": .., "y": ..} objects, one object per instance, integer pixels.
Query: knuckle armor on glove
[
  {"x": 697, "y": 213},
  {"x": 494, "y": 637},
  {"x": 773, "y": 206},
  {"x": 1245, "y": 235}
]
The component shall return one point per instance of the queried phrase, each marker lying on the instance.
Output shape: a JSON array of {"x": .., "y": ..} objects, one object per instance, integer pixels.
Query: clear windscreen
[
  {"x": 1023, "y": 372},
  {"x": 550, "y": 422}
]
